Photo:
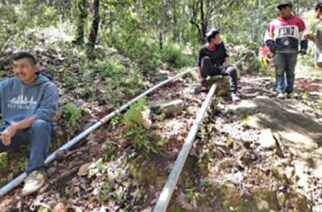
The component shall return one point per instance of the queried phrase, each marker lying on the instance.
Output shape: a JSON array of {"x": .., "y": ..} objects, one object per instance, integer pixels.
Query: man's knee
[
  {"x": 206, "y": 59},
  {"x": 206, "y": 66},
  {"x": 40, "y": 125},
  {"x": 231, "y": 72}
]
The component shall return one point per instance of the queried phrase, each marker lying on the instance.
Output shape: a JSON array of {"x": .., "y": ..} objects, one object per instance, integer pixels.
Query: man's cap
[
  {"x": 212, "y": 31},
  {"x": 318, "y": 6},
  {"x": 280, "y": 5}
]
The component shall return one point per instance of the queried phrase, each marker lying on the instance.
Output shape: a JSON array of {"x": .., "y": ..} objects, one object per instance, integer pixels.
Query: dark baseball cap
[
  {"x": 284, "y": 4},
  {"x": 212, "y": 32},
  {"x": 318, "y": 6}
]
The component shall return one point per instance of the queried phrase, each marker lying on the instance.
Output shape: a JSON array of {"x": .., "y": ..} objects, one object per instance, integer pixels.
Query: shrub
[
  {"x": 71, "y": 116},
  {"x": 175, "y": 57}
]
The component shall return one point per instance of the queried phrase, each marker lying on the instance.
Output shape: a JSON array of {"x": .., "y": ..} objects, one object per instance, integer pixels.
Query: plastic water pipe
[
  {"x": 171, "y": 183},
  {"x": 15, "y": 182}
]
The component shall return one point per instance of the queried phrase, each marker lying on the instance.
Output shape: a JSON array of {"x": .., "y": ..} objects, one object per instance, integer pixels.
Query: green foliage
[
  {"x": 112, "y": 67},
  {"x": 136, "y": 134},
  {"x": 3, "y": 162},
  {"x": 108, "y": 152},
  {"x": 71, "y": 116},
  {"x": 132, "y": 117},
  {"x": 175, "y": 57},
  {"x": 117, "y": 73},
  {"x": 69, "y": 81},
  {"x": 315, "y": 104},
  {"x": 189, "y": 190}
]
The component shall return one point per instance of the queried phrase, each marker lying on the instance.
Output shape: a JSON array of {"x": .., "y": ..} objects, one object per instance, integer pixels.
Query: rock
[
  {"x": 51, "y": 171},
  {"x": 168, "y": 107},
  {"x": 266, "y": 199},
  {"x": 191, "y": 110},
  {"x": 227, "y": 164},
  {"x": 10, "y": 177},
  {"x": 145, "y": 119},
  {"x": 83, "y": 170},
  {"x": 263, "y": 205},
  {"x": 289, "y": 173},
  {"x": 222, "y": 84},
  {"x": 266, "y": 139},
  {"x": 60, "y": 207}
]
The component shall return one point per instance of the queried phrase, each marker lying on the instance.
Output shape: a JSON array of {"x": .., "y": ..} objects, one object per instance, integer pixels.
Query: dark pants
[
  {"x": 39, "y": 136},
  {"x": 209, "y": 69},
  {"x": 285, "y": 65}
]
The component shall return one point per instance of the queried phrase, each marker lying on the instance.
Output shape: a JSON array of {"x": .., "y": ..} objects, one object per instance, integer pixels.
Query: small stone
[
  {"x": 168, "y": 107},
  {"x": 145, "y": 119},
  {"x": 266, "y": 139},
  {"x": 83, "y": 170},
  {"x": 263, "y": 205}
]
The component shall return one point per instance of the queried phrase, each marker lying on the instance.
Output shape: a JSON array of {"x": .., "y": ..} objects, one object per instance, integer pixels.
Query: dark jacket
[{"x": 217, "y": 56}]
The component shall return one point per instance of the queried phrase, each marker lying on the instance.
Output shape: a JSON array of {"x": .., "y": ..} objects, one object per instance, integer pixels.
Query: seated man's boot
[
  {"x": 235, "y": 97},
  {"x": 34, "y": 182}
]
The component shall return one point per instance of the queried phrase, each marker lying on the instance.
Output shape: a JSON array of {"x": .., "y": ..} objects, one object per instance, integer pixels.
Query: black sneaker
[{"x": 199, "y": 90}]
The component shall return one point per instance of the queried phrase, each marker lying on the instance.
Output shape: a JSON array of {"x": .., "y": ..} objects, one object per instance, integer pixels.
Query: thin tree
[
  {"x": 82, "y": 14},
  {"x": 94, "y": 29}
]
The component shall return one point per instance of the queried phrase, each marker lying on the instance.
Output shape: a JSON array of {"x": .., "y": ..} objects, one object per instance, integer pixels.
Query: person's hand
[
  {"x": 226, "y": 62},
  {"x": 7, "y": 134},
  {"x": 200, "y": 78},
  {"x": 272, "y": 49},
  {"x": 310, "y": 37},
  {"x": 303, "y": 52}
]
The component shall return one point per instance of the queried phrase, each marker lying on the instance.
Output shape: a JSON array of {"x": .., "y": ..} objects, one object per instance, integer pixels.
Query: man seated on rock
[
  {"x": 28, "y": 103},
  {"x": 214, "y": 60}
]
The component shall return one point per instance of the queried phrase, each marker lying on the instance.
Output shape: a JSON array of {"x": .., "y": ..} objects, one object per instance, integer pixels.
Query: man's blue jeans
[
  {"x": 285, "y": 64},
  {"x": 39, "y": 136}
]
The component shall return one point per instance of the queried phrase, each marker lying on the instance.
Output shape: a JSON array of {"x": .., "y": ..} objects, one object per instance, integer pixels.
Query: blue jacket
[{"x": 19, "y": 101}]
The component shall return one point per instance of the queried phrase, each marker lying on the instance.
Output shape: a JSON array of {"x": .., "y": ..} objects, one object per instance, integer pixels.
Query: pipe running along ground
[
  {"x": 15, "y": 182},
  {"x": 167, "y": 191}
]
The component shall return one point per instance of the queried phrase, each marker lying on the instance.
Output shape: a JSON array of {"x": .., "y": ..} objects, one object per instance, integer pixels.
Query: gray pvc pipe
[
  {"x": 15, "y": 182},
  {"x": 171, "y": 183}
]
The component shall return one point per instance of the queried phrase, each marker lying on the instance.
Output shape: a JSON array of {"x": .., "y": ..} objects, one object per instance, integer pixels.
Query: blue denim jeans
[
  {"x": 39, "y": 136},
  {"x": 285, "y": 64}
]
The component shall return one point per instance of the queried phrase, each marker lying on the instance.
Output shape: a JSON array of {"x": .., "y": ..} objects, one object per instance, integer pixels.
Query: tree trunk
[
  {"x": 82, "y": 14},
  {"x": 203, "y": 21},
  {"x": 160, "y": 40},
  {"x": 94, "y": 29}
]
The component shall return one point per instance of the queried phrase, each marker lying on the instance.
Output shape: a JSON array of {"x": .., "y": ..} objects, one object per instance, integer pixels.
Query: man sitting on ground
[
  {"x": 214, "y": 60},
  {"x": 28, "y": 103}
]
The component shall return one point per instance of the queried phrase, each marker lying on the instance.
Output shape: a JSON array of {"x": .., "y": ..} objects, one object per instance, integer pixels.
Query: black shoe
[{"x": 199, "y": 90}]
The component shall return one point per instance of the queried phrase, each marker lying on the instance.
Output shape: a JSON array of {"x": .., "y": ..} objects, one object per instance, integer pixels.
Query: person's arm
[
  {"x": 48, "y": 104},
  {"x": 226, "y": 56},
  {"x": 226, "y": 62},
  {"x": 269, "y": 38},
  {"x": 302, "y": 38},
  {"x": 11, "y": 131}
]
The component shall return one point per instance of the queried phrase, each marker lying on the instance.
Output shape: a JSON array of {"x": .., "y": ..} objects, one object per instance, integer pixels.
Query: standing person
[
  {"x": 28, "y": 103},
  {"x": 214, "y": 60},
  {"x": 317, "y": 38},
  {"x": 283, "y": 37}
]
